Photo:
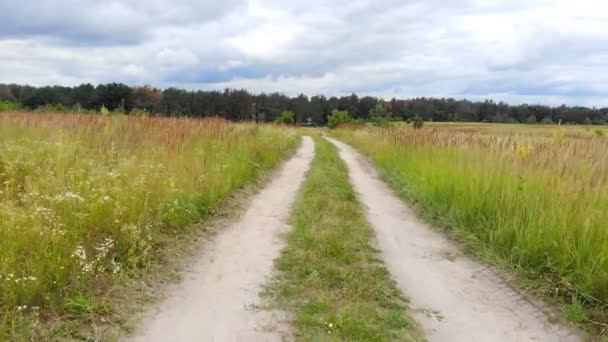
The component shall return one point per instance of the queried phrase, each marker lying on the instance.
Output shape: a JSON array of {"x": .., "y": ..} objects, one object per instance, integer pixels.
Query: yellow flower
[
  {"x": 172, "y": 184},
  {"x": 524, "y": 151}
]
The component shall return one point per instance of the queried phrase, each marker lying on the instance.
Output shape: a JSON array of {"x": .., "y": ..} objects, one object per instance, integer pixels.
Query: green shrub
[
  {"x": 52, "y": 108},
  {"x": 287, "y": 117},
  {"x": 380, "y": 121},
  {"x": 104, "y": 111},
  {"x": 6, "y": 106},
  {"x": 338, "y": 117},
  {"x": 531, "y": 119},
  {"x": 599, "y": 132},
  {"x": 139, "y": 112},
  {"x": 417, "y": 122},
  {"x": 547, "y": 121}
]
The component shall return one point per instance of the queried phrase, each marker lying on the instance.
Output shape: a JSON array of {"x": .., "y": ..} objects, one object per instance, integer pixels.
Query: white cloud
[{"x": 538, "y": 51}]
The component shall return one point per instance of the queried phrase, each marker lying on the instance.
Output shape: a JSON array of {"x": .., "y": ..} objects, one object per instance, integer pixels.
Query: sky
[{"x": 536, "y": 51}]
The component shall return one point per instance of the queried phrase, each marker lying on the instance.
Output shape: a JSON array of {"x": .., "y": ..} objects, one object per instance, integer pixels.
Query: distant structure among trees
[{"x": 237, "y": 105}]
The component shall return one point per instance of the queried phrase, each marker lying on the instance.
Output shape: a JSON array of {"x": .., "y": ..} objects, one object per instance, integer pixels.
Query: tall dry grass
[
  {"x": 537, "y": 204},
  {"x": 88, "y": 200}
]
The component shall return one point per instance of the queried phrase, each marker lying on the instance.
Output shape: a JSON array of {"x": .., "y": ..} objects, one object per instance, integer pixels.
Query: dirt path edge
[
  {"x": 453, "y": 297},
  {"x": 218, "y": 297}
]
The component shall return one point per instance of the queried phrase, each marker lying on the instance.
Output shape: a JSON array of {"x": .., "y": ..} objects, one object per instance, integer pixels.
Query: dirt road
[
  {"x": 453, "y": 297},
  {"x": 216, "y": 300}
]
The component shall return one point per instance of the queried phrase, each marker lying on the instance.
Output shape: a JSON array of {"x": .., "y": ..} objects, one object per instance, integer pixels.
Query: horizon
[{"x": 309, "y": 96}]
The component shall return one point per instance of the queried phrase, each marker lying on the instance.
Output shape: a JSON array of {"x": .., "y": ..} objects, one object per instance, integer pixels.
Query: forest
[{"x": 241, "y": 105}]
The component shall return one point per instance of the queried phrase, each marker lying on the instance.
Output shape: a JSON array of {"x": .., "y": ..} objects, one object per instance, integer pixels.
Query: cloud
[
  {"x": 92, "y": 22},
  {"x": 538, "y": 51}
]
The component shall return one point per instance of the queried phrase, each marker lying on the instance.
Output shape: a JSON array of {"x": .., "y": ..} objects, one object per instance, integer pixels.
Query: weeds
[
  {"x": 88, "y": 201},
  {"x": 535, "y": 203}
]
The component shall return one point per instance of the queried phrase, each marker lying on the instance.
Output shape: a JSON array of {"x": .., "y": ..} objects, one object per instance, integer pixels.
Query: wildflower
[
  {"x": 80, "y": 253},
  {"x": 524, "y": 151},
  {"x": 67, "y": 196},
  {"x": 115, "y": 267},
  {"x": 58, "y": 232}
]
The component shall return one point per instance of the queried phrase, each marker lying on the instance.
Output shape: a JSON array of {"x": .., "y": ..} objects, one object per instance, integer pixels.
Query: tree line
[{"x": 239, "y": 104}]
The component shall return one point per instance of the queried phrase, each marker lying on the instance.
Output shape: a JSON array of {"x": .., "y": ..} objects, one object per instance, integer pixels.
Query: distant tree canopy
[
  {"x": 287, "y": 117},
  {"x": 239, "y": 104}
]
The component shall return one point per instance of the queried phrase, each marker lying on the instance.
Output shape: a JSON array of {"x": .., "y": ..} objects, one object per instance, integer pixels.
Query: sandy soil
[
  {"x": 217, "y": 299},
  {"x": 452, "y": 297}
]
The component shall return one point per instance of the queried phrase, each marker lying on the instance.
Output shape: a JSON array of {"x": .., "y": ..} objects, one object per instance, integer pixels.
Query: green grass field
[
  {"x": 517, "y": 129},
  {"x": 533, "y": 199},
  {"x": 89, "y": 202},
  {"x": 330, "y": 276},
  {"x": 91, "y": 205}
]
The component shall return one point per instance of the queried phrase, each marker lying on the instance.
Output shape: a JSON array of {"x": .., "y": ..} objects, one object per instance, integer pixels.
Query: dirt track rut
[
  {"x": 217, "y": 298},
  {"x": 453, "y": 297}
]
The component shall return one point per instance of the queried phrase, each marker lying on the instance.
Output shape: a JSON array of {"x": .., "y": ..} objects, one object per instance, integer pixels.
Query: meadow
[
  {"x": 570, "y": 131},
  {"x": 530, "y": 198},
  {"x": 88, "y": 202}
]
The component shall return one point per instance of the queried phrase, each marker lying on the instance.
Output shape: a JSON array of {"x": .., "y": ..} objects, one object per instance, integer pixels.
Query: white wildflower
[
  {"x": 80, "y": 253},
  {"x": 115, "y": 267},
  {"x": 67, "y": 196}
]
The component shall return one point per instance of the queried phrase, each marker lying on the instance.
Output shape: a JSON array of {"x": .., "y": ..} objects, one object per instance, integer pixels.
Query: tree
[
  {"x": 318, "y": 105},
  {"x": 145, "y": 98},
  {"x": 349, "y": 104},
  {"x": 417, "y": 122},
  {"x": 85, "y": 96},
  {"x": 287, "y": 117},
  {"x": 531, "y": 119},
  {"x": 239, "y": 104},
  {"x": 301, "y": 107},
  {"x": 112, "y": 95},
  {"x": 338, "y": 117},
  {"x": 6, "y": 93},
  {"x": 379, "y": 110},
  {"x": 366, "y": 106}
]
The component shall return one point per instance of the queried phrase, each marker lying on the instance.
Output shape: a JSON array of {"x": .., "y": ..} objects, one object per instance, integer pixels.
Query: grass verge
[
  {"x": 90, "y": 206},
  {"x": 330, "y": 276},
  {"x": 531, "y": 204}
]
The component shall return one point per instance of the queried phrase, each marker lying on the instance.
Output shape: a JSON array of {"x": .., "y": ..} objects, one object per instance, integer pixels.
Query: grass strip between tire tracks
[{"x": 330, "y": 276}]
